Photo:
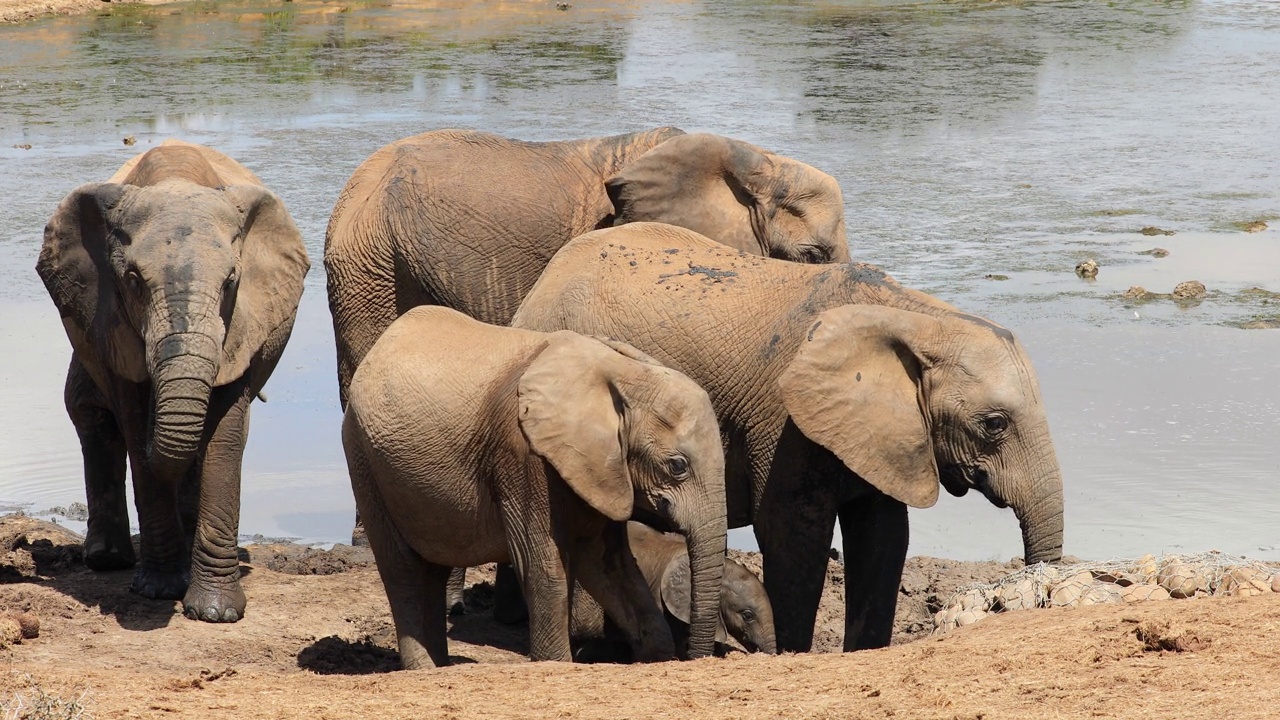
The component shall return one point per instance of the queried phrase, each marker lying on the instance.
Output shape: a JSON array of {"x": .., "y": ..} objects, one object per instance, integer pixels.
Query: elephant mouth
[{"x": 959, "y": 479}]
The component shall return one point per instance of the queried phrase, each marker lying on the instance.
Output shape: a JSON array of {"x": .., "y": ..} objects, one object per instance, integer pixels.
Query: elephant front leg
[
  {"x": 546, "y": 583},
  {"x": 875, "y": 547},
  {"x": 608, "y": 571},
  {"x": 107, "y": 545},
  {"x": 455, "y": 592},
  {"x": 214, "y": 594}
]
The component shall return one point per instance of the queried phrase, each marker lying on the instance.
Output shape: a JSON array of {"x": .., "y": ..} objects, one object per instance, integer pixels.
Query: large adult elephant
[
  {"x": 468, "y": 219},
  {"x": 178, "y": 281},
  {"x": 840, "y": 394}
]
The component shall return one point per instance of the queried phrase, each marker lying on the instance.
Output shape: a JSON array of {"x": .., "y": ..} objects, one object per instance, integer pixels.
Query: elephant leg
[
  {"x": 509, "y": 607},
  {"x": 107, "y": 545},
  {"x": 415, "y": 588},
  {"x": 454, "y": 594},
  {"x": 546, "y": 582},
  {"x": 165, "y": 567},
  {"x": 214, "y": 594},
  {"x": 875, "y": 536},
  {"x": 607, "y": 570}
]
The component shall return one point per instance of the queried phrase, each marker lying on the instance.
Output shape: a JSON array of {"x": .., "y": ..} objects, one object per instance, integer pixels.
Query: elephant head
[
  {"x": 170, "y": 278},
  {"x": 906, "y": 399},
  {"x": 745, "y": 611},
  {"x": 737, "y": 194},
  {"x": 627, "y": 434}
]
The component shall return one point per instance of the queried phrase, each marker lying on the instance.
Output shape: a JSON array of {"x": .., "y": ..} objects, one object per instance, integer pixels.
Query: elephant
[
  {"x": 177, "y": 280},
  {"x": 840, "y": 394},
  {"x": 663, "y": 558},
  {"x": 470, "y": 443},
  {"x": 468, "y": 219}
]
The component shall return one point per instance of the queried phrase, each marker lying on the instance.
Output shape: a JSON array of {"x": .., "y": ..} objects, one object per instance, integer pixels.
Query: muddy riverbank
[
  {"x": 317, "y": 641},
  {"x": 18, "y": 11}
]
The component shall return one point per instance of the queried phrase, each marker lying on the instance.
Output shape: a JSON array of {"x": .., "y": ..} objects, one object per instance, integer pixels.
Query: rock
[
  {"x": 22, "y": 146},
  {"x": 994, "y": 276},
  {"x": 130, "y": 140},
  {"x": 1068, "y": 592},
  {"x": 969, "y": 617},
  {"x": 1087, "y": 269},
  {"x": 1100, "y": 594},
  {"x": 10, "y": 631},
  {"x": 1022, "y": 595},
  {"x": 1153, "y": 230},
  {"x": 975, "y": 600},
  {"x": 1146, "y": 568},
  {"x": 30, "y": 625},
  {"x": 1275, "y": 583},
  {"x": 1181, "y": 580},
  {"x": 1255, "y": 226},
  {"x": 1155, "y": 252},
  {"x": 1189, "y": 290},
  {"x": 1137, "y": 292},
  {"x": 1143, "y": 593},
  {"x": 1244, "y": 581}
]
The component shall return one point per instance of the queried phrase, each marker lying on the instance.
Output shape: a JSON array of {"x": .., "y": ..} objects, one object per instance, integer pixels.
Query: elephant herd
[{"x": 550, "y": 355}]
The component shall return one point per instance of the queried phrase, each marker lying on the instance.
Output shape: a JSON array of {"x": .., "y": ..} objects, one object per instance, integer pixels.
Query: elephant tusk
[{"x": 262, "y": 396}]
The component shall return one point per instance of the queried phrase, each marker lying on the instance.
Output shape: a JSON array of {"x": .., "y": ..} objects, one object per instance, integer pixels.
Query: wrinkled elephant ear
[
  {"x": 77, "y": 272},
  {"x": 273, "y": 264},
  {"x": 627, "y": 350},
  {"x": 675, "y": 591},
  {"x": 694, "y": 181},
  {"x": 573, "y": 418},
  {"x": 854, "y": 387}
]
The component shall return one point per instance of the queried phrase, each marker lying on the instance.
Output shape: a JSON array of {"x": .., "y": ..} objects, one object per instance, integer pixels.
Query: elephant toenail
[
  {"x": 211, "y": 615},
  {"x": 230, "y": 615}
]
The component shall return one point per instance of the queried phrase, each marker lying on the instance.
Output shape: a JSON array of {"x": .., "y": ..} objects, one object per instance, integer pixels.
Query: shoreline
[{"x": 15, "y": 12}]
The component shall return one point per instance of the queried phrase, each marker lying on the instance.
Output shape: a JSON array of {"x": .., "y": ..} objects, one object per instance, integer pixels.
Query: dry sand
[{"x": 320, "y": 646}]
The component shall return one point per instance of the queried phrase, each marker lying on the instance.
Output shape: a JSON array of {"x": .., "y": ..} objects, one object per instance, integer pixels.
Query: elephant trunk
[
  {"x": 184, "y": 374},
  {"x": 1039, "y": 512},
  {"x": 706, "y": 569}
]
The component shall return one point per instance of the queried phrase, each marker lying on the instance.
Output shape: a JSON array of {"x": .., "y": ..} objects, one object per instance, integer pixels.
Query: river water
[{"x": 971, "y": 139}]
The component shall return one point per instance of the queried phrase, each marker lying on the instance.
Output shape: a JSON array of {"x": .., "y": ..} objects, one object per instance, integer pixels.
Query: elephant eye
[
  {"x": 134, "y": 278},
  {"x": 231, "y": 279},
  {"x": 995, "y": 424},
  {"x": 814, "y": 254},
  {"x": 677, "y": 466},
  {"x": 749, "y": 615}
]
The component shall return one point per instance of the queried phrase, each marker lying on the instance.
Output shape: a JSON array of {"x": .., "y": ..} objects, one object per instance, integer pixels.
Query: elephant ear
[
  {"x": 855, "y": 387},
  {"x": 699, "y": 181},
  {"x": 676, "y": 587},
  {"x": 627, "y": 350},
  {"x": 75, "y": 266},
  {"x": 573, "y": 416},
  {"x": 273, "y": 264}
]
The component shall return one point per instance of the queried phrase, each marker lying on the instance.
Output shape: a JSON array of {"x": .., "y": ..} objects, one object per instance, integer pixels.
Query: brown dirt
[{"x": 319, "y": 644}]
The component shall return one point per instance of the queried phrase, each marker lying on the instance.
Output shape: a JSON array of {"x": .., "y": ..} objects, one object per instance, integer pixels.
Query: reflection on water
[{"x": 971, "y": 138}]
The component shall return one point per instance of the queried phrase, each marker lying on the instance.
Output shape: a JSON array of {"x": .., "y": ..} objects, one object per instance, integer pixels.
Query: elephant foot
[
  {"x": 221, "y": 603},
  {"x": 159, "y": 584},
  {"x": 103, "y": 555}
]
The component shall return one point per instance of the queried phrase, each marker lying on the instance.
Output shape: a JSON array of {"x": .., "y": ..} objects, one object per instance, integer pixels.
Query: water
[{"x": 971, "y": 138}]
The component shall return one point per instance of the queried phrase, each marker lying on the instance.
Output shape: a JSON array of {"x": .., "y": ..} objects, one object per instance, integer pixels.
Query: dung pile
[{"x": 1115, "y": 581}]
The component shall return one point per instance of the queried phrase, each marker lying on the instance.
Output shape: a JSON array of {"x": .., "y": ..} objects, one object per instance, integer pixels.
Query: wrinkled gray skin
[
  {"x": 840, "y": 395},
  {"x": 745, "y": 613},
  {"x": 178, "y": 281},
  {"x": 491, "y": 444},
  {"x": 468, "y": 219}
]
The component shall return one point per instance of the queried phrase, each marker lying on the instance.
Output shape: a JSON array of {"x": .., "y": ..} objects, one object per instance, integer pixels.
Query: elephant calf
[
  {"x": 178, "y": 281},
  {"x": 470, "y": 443},
  {"x": 745, "y": 612}
]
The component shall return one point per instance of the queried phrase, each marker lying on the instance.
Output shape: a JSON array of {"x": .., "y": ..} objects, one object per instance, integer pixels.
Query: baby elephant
[
  {"x": 745, "y": 612},
  {"x": 470, "y": 443}
]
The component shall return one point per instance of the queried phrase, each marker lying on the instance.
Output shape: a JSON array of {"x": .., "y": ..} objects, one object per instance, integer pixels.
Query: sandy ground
[
  {"x": 320, "y": 646},
  {"x": 16, "y": 11}
]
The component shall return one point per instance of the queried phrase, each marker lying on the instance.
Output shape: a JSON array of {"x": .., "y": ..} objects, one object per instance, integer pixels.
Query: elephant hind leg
[
  {"x": 875, "y": 536},
  {"x": 415, "y": 588},
  {"x": 455, "y": 592},
  {"x": 107, "y": 545}
]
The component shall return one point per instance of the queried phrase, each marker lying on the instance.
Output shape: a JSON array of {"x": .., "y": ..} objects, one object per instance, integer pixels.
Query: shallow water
[{"x": 971, "y": 138}]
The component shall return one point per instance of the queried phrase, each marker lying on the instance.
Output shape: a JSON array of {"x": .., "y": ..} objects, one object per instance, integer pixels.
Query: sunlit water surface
[{"x": 971, "y": 139}]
